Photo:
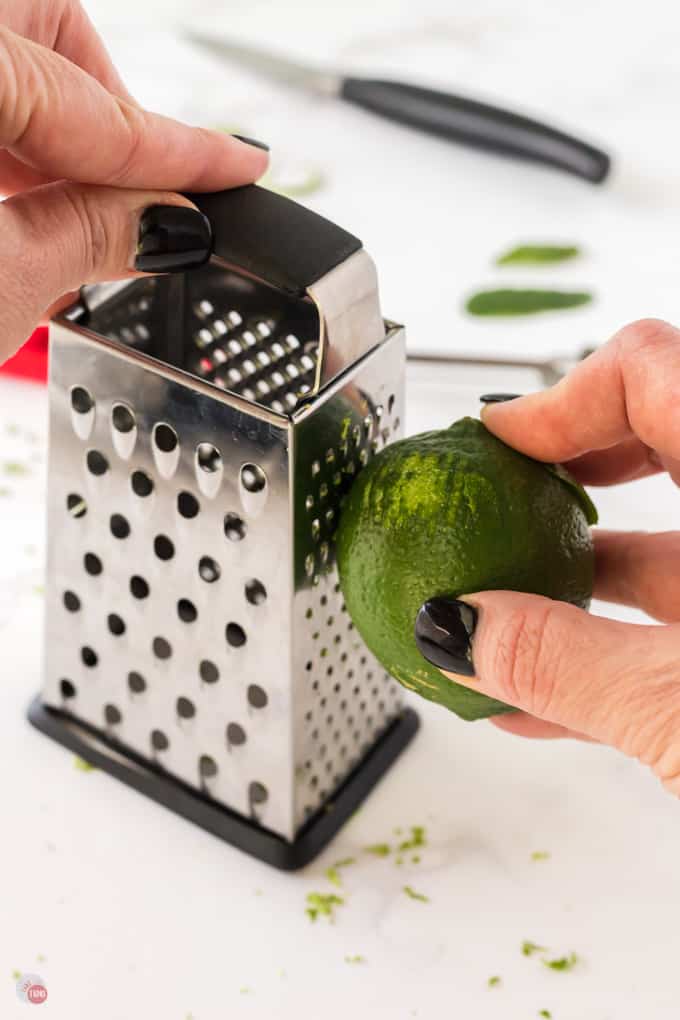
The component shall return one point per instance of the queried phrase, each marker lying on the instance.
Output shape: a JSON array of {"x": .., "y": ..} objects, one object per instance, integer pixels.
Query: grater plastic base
[{"x": 191, "y": 804}]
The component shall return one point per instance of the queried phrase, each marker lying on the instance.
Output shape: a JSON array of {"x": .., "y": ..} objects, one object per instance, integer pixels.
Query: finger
[
  {"x": 57, "y": 237},
  {"x": 614, "y": 682},
  {"x": 16, "y": 176},
  {"x": 65, "y": 124},
  {"x": 625, "y": 462},
  {"x": 523, "y": 725},
  {"x": 624, "y": 390},
  {"x": 641, "y": 570}
]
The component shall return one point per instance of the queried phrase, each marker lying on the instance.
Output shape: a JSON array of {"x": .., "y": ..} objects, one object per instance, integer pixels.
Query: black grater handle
[
  {"x": 274, "y": 238},
  {"x": 478, "y": 124}
]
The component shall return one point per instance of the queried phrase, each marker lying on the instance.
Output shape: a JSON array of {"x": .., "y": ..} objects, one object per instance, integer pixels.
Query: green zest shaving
[
  {"x": 355, "y": 959},
  {"x": 540, "y": 855},
  {"x": 82, "y": 765},
  {"x": 537, "y": 254},
  {"x": 494, "y": 981},
  {"x": 333, "y": 873},
  {"x": 13, "y": 467},
  {"x": 562, "y": 962},
  {"x": 529, "y": 948},
  {"x": 378, "y": 849},
  {"x": 417, "y": 839},
  {"x": 416, "y": 895},
  {"x": 16, "y": 974},
  {"x": 322, "y": 905},
  {"x": 295, "y": 184},
  {"x": 524, "y": 302},
  {"x": 545, "y": 1013}
]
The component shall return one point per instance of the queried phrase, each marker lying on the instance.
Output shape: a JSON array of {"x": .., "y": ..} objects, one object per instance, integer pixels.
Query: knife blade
[{"x": 453, "y": 117}]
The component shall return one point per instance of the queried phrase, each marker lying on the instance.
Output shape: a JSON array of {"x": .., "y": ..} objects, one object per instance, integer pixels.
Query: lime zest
[
  {"x": 540, "y": 855},
  {"x": 494, "y": 981},
  {"x": 412, "y": 894},
  {"x": 529, "y": 948},
  {"x": 378, "y": 849},
  {"x": 537, "y": 254},
  {"x": 562, "y": 962},
  {"x": 322, "y": 905},
  {"x": 510, "y": 301}
]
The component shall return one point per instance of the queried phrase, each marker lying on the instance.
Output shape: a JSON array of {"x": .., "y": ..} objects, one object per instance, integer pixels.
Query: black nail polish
[
  {"x": 172, "y": 238},
  {"x": 444, "y": 629},
  {"x": 252, "y": 141},
  {"x": 498, "y": 398}
]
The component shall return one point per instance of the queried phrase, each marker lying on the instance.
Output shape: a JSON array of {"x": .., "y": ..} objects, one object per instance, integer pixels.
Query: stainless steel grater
[{"x": 203, "y": 431}]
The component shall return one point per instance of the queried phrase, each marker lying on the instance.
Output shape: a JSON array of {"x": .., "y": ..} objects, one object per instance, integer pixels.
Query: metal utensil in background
[{"x": 457, "y": 118}]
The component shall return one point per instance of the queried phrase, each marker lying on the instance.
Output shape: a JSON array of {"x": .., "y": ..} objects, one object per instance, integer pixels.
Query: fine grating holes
[
  {"x": 257, "y": 793},
  {"x": 257, "y": 697},
  {"x": 119, "y": 525},
  {"x": 236, "y": 636},
  {"x": 116, "y": 624},
  {"x": 234, "y": 527},
  {"x": 185, "y": 708},
  {"x": 159, "y": 741},
  {"x": 186, "y": 611},
  {"x": 161, "y": 648},
  {"x": 82, "y": 400},
  {"x": 207, "y": 767},
  {"x": 76, "y": 505},
  {"x": 71, "y": 601},
  {"x": 67, "y": 688},
  {"x": 136, "y": 682},
  {"x": 89, "y": 656},
  {"x": 253, "y": 478},
  {"x": 208, "y": 569},
  {"x": 390, "y": 403},
  {"x": 112, "y": 715},
  {"x": 163, "y": 547},
  {"x": 122, "y": 418},
  {"x": 208, "y": 672},
  {"x": 208, "y": 457},
  {"x": 236, "y": 735},
  {"x": 256, "y": 593},
  {"x": 92, "y": 564},
  {"x": 141, "y": 483},
  {"x": 164, "y": 438},
  {"x": 139, "y": 587},
  {"x": 187, "y": 505},
  {"x": 97, "y": 464}
]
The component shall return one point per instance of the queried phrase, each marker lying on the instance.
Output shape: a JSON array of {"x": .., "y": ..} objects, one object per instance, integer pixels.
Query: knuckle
[
  {"x": 646, "y": 336},
  {"x": 94, "y": 233},
  {"x": 133, "y": 121},
  {"x": 526, "y": 665},
  {"x": 648, "y": 360}
]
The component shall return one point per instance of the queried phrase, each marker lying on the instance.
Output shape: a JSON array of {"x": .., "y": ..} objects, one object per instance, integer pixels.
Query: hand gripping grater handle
[{"x": 273, "y": 239}]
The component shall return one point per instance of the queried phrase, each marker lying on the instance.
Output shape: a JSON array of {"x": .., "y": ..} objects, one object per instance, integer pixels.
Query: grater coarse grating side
[{"x": 203, "y": 431}]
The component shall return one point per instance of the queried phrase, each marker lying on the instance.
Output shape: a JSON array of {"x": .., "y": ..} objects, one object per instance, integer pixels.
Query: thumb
[
  {"x": 57, "y": 237},
  {"x": 617, "y": 683}
]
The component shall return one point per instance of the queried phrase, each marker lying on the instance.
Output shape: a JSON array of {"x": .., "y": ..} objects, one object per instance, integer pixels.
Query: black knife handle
[{"x": 478, "y": 124}]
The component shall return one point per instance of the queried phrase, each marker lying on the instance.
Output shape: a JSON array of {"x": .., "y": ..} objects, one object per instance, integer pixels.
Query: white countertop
[{"x": 126, "y": 910}]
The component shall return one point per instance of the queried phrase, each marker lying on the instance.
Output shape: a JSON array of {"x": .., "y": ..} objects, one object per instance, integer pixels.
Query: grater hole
[
  {"x": 119, "y": 525},
  {"x": 141, "y": 484},
  {"x": 236, "y": 735},
  {"x": 187, "y": 611},
  {"x": 208, "y": 672},
  {"x": 82, "y": 400},
  {"x": 256, "y": 593},
  {"x": 159, "y": 741},
  {"x": 116, "y": 624},
  {"x": 139, "y": 587},
  {"x": 76, "y": 505},
  {"x": 236, "y": 636},
  {"x": 207, "y": 767},
  {"x": 71, "y": 601},
  {"x": 187, "y": 505},
  {"x": 390, "y": 403},
  {"x": 258, "y": 793},
  {"x": 162, "y": 649},
  {"x": 89, "y": 656},
  {"x": 97, "y": 464},
  {"x": 67, "y": 688},
  {"x": 209, "y": 458},
  {"x": 257, "y": 697},
  {"x": 112, "y": 715},
  {"x": 93, "y": 565},
  {"x": 253, "y": 478},
  {"x": 234, "y": 527},
  {"x": 122, "y": 418},
  {"x": 165, "y": 438},
  {"x": 208, "y": 569},
  {"x": 136, "y": 682},
  {"x": 185, "y": 708},
  {"x": 163, "y": 547}
]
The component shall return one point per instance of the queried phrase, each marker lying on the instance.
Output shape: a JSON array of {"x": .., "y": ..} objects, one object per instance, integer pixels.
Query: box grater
[{"x": 204, "y": 428}]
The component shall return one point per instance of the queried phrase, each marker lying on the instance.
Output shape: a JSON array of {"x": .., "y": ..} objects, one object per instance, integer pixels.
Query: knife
[{"x": 454, "y": 117}]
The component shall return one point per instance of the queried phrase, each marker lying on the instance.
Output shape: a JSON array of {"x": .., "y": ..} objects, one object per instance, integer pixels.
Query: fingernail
[
  {"x": 172, "y": 238},
  {"x": 498, "y": 398},
  {"x": 252, "y": 141},
  {"x": 444, "y": 630}
]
